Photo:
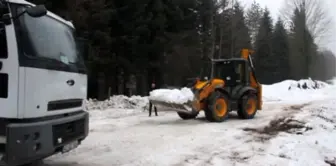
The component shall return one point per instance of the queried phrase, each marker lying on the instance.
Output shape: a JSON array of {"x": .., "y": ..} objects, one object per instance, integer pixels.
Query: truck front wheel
[{"x": 218, "y": 107}]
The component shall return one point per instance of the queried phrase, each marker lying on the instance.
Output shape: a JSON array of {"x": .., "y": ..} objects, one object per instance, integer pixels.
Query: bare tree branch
[{"x": 318, "y": 20}]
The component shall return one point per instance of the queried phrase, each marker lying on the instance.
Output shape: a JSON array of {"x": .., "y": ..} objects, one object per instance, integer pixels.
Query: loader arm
[
  {"x": 202, "y": 90},
  {"x": 246, "y": 54}
]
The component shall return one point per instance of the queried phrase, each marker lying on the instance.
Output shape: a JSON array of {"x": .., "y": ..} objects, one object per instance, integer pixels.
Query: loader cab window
[
  {"x": 224, "y": 70},
  {"x": 3, "y": 42},
  {"x": 238, "y": 69},
  {"x": 230, "y": 71}
]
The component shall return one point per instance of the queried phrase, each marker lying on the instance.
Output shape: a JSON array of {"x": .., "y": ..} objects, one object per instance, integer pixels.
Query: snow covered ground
[{"x": 296, "y": 127}]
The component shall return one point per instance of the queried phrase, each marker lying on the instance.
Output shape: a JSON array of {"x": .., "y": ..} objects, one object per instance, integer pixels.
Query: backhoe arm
[{"x": 246, "y": 54}]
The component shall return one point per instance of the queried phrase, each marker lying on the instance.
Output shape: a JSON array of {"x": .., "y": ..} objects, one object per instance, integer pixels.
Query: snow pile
[
  {"x": 177, "y": 96},
  {"x": 118, "y": 101},
  {"x": 307, "y": 84},
  {"x": 302, "y": 90},
  {"x": 288, "y": 90}
]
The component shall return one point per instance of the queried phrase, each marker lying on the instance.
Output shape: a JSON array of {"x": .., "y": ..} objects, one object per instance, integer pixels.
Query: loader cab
[{"x": 233, "y": 71}]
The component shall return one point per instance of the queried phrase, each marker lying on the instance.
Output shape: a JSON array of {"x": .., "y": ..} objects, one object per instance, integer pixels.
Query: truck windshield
[
  {"x": 51, "y": 38},
  {"x": 48, "y": 40}
]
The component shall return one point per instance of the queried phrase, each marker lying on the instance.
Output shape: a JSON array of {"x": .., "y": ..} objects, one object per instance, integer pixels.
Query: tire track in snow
[
  {"x": 239, "y": 153},
  {"x": 129, "y": 140}
]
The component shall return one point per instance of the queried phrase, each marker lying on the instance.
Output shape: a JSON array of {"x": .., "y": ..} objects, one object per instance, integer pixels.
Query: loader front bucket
[{"x": 166, "y": 106}]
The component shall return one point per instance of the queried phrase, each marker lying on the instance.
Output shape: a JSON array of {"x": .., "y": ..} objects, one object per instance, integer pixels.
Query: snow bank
[
  {"x": 302, "y": 90},
  {"x": 307, "y": 84},
  {"x": 288, "y": 90},
  {"x": 118, "y": 102},
  {"x": 178, "y": 96}
]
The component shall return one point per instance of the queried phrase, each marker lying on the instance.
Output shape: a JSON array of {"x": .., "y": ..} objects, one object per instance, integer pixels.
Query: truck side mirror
[
  {"x": 37, "y": 11},
  {"x": 34, "y": 11}
]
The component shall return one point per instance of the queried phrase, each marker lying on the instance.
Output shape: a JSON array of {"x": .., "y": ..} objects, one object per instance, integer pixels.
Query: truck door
[{"x": 8, "y": 72}]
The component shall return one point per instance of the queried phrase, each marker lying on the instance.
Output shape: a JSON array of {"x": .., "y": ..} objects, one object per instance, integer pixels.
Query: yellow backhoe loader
[{"x": 233, "y": 86}]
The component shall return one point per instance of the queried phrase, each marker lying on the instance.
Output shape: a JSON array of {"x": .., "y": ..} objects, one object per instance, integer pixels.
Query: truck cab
[{"x": 43, "y": 84}]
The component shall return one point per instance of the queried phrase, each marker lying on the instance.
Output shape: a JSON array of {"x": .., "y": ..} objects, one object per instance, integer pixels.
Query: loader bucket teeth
[{"x": 187, "y": 107}]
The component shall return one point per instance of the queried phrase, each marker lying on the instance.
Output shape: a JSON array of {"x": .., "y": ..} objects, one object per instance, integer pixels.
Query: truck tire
[
  {"x": 218, "y": 107},
  {"x": 247, "y": 107},
  {"x": 187, "y": 116}
]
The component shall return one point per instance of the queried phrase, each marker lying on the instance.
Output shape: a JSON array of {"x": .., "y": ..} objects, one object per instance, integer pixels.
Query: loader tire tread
[
  {"x": 211, "y": 113},
  {"x": 243, "y": 111}
]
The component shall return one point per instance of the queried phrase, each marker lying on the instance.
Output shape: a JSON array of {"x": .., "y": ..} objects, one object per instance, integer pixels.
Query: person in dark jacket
[{"x": 153, "y": 87}]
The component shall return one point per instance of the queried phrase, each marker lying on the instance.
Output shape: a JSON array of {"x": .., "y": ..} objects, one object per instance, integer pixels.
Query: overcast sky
[{"x": 275, "y": 5}]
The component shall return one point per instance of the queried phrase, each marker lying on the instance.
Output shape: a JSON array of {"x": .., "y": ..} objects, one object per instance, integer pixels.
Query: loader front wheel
[
  {"x": 218, "y": 107},
  {"x": 187, "y": 116},
  {"x": 247, "y": 106}
]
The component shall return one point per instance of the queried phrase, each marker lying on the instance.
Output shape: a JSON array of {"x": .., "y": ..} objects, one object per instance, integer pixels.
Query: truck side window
[{"x": 3, "y": 42}]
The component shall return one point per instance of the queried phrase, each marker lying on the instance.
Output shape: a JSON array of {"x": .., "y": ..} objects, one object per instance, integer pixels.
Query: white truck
[{"x": 43, "y": 84}]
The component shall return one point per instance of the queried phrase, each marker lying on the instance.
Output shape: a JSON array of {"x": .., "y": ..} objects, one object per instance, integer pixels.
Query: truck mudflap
[{"x": 28, "y": 142}]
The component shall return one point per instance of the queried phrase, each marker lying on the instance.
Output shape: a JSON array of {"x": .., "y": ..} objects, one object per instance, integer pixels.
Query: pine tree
[
  {"x": 263, "y": 54},
  {"x": 233, "y": 31},
  {"x": 253, "y": 16},
  {"x": 325, "y": 68},
  {"x": 241, "y": 38},
  {"x": 224, "y": 35},
  {"x": 280, "y": 53},
  {"x": 206, "y": 26},
  {"x": 303, "y": 49}
]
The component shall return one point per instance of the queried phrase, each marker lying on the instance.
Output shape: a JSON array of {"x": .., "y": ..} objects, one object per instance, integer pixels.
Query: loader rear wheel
[
  {"x": 187, "y": 116},
  {"x": 218, "y": 107},
  {"x": 248, "y": 106}
]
